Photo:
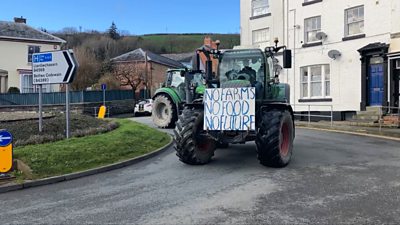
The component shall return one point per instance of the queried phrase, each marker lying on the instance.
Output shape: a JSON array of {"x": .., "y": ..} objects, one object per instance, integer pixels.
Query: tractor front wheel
[
  {"x": 192, "y": 145},
  {"x": 275, "y": 138},
  {"x": 164, "y": 112}
]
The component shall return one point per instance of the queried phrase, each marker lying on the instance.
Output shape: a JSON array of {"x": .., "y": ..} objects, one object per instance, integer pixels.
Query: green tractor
[
  {"x": 243, "y": 76},
  {"x": 169, "y": 100}
]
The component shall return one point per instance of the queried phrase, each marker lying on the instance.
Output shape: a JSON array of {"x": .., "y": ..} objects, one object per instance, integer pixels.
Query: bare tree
[
  {"x": 131, "y": 74},
  {"x": 89, "y": 69}
]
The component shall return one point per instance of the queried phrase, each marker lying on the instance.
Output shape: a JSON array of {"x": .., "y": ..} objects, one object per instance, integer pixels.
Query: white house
[
  {"x": 345, "y": 53},
  {"x": 18, "y": 42}
]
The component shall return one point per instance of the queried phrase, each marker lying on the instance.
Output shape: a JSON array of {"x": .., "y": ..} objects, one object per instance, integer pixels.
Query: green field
[{"x": 177, "y": 43}]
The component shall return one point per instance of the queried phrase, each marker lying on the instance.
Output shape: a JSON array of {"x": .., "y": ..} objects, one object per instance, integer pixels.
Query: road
[{"x": 333, "y": 178}]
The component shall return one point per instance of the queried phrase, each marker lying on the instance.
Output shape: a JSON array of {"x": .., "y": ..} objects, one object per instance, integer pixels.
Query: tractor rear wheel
[
  {"x": 275, "y": 138},
  {"x": 191, "y": 143},
  {"x": 164, "y": 112}
]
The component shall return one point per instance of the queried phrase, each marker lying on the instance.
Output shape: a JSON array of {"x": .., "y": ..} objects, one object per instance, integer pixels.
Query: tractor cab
[{"x": 245, "y": 68}]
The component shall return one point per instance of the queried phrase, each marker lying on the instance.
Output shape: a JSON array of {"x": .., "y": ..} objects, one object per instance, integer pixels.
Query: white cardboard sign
[{"x": 230, "y": 109}]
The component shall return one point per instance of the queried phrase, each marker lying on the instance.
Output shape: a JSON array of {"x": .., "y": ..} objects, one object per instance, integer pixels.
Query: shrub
[{"x": 13, "y": 90}]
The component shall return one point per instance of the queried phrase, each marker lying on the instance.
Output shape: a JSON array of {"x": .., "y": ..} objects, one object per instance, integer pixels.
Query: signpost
[
  {"x": 103, "y": 88},
  {"x": 58, "y": 67},
  {"x": 6, "y": 147},
  {"x": 230, "y": 109}
]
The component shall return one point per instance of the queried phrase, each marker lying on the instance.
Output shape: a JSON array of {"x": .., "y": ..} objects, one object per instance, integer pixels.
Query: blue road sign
[
  {"x": 5, "y": 138},
  {"x": 103, "y": 87}
]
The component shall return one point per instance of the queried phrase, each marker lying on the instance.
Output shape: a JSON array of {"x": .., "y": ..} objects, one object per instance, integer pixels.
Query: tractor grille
[{"x": 235, "y": 84}]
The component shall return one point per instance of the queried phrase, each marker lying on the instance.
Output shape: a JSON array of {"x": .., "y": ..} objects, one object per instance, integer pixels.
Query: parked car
[{"x": 144, "y": 107}]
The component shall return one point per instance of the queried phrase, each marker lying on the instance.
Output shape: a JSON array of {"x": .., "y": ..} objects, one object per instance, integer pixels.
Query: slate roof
[
  {"x": 21, "y": 31},
  {"x": 139, "y": 55},
  {"x": 181, "y": 57}
]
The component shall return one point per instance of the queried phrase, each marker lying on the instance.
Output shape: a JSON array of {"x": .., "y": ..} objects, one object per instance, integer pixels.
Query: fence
[
  {"x": 58, "y": 98},
  {"x": 308, "y": 110}
]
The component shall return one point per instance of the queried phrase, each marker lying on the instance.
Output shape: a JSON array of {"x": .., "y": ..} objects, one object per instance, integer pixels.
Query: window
[
  {"x": 260, "y": 7},
  {"x": 354, "y": 21},
  {"x": 26, "y": 83},
  {"x": 311, "y": 27},
  {"x": 31, "y": 50},
  {"x": 28, "y": 87},
  {"x": 398, "y": 64},
  {"x": 261, "y": 36},
  {"x": 315, "y": 81}
]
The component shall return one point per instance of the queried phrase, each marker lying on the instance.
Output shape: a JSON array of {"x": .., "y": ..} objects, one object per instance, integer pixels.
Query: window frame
[
  {"x": 306, "y": 41},
  {"x": 346, "y": 24},
  {"x": 268, "y": 11},
  {"x": 268, "y": 36},
  {"x": 323, "y": 81},
  {"x": 35, "y": 47}
]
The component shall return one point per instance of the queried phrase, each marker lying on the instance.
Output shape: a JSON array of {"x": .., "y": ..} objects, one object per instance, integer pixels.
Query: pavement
[{"x": 346, "y": 127}]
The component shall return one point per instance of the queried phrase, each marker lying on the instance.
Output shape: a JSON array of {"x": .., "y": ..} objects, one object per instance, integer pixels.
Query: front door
[{"x": 376, "y": 84}]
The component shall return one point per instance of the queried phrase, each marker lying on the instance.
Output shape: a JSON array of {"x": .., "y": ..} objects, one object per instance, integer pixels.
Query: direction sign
[
  {"x": 103, "y": 87},
  {"x": 58, "y": 67},
  {"x": 5, "y": 138}
]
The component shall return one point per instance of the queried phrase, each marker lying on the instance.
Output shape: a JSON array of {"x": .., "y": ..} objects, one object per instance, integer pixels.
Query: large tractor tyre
[
  {"x": 275, "y": 138},
  {"x": 191, "y": 144},
  {"x": 164, "y": 112}
]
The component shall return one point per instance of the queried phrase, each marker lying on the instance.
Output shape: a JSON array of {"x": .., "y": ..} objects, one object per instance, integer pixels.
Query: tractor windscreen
[
  {"x": 242, "y": 68},
  {"x": 175, "y": 79}
]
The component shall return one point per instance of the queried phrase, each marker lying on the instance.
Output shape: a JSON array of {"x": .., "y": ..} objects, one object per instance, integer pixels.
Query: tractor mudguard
[{"x": 170, "y": 92}]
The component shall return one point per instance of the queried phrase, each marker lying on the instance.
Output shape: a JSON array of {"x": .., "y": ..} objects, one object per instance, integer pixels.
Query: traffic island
[{"x": 69, "y": 159}]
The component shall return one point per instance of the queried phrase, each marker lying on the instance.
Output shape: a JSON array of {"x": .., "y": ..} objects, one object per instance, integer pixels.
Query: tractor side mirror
[
  {"x": 287, "y": 58},
  {"x": 183, "y": 73}
]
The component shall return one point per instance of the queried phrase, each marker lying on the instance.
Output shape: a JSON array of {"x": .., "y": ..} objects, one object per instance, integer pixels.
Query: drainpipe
[{"x": 294, "y": 54}]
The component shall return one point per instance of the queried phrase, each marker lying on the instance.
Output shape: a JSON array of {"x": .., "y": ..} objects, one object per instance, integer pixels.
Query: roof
[
  {"x": 180, "y": 57},
  {"x": 23, "y": 32},
  {"x": 139, "y": 55},
  {"x": 3, "y": 71},
  {"x": 373, "y": 46}
]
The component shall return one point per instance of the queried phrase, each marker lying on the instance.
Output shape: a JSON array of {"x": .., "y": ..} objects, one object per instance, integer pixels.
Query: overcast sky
[{"x": 134, "y": 16}]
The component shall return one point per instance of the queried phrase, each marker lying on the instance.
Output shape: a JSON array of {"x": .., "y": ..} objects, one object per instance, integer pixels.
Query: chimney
[{"x": 20, "y": 20}]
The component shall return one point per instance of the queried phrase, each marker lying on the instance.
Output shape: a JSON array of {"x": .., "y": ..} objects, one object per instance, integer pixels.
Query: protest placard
[{"x": 230, "y": 109}]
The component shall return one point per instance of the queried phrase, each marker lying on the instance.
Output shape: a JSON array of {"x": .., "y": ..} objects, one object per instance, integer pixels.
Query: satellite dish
[
  {"x": 321, "y": 35},
  {"x": 334, "y": 54}
]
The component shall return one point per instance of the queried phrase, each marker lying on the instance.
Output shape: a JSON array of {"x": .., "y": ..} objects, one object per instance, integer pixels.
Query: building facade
[
  {"x": 18, "y": 42},
  {"x": 344, "y": 52},
  {"x": 153, "y": 67}
]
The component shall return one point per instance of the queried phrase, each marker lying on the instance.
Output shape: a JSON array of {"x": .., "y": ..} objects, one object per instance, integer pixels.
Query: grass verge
[{"x": 130, "y": 140}]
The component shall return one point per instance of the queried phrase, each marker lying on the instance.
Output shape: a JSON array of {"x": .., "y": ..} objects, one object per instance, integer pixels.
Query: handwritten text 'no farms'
[{"x": 229, "y": 109}]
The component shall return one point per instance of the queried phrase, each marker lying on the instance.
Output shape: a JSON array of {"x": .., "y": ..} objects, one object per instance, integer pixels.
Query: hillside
[
  {"x": 157, "y": 43},
  {"x": 94, "y": 51}
]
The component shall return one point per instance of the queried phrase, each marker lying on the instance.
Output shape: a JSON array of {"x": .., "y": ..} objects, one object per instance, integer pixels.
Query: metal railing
[
  {"x": 56, "y": 98},
  {"x": 388, "y": 110},
  {"x": 308, "y": 108}
]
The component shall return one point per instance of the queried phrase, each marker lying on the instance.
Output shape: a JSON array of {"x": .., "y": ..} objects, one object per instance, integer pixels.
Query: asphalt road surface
[{"x": 332, "y": 179}]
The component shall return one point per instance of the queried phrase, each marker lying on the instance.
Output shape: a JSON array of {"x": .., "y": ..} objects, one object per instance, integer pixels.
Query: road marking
[
  {"x": 354, "y": 133},
  {"x": 4, "y": 138}
]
